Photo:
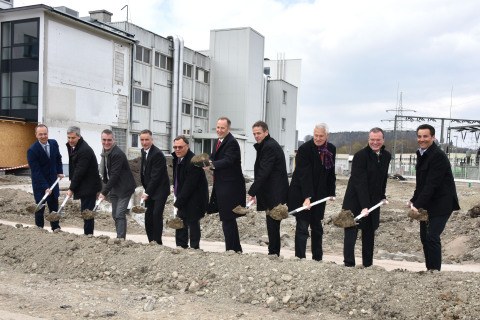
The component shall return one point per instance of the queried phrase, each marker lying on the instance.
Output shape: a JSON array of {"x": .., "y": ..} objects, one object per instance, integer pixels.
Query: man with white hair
[{"x": 312, "y": 180}]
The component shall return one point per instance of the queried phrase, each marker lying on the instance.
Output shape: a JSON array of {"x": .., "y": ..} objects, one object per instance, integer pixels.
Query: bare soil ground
[{"x": 61, "y": 275}]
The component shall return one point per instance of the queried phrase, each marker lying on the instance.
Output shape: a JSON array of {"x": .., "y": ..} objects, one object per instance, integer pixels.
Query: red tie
[{"x": 218, "y": 144}]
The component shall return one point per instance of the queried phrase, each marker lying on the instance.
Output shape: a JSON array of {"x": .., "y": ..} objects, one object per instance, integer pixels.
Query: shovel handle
[
  {"x": 360, "y": 216},
  {"x": 97, "y": 204},
  {"x": 47, "y": 194},
  {"x": 311, "y": 205},
  {"x": 174, "y": 209},
  {"x": 63, "y": 204},
  {"x": 249, "y": 204},
  {"x": 141, "y": 201}
]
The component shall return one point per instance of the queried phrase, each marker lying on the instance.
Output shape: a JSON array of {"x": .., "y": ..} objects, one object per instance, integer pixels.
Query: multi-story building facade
[{"x": 62, "y": 70}]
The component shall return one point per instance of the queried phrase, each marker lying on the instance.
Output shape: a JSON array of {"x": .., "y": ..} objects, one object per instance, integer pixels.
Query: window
[
  {"x": 134, "y": 140},
  {"x": 120, "y": 138},
  {"x": 142, "y": 54},
  {"x": 284, "y": 96},
  {"x": 186, "y": 131},
  {"x": 30, "y": 92},
  {"x": 141, "y": 97},
  {"x": 187, "y": 70},
  {"x": 19, "y": 69},
  {"x": 186, "y": 108},
  {"x": 284, "y": 124},
  {"x": 164, "y": 62},
  {"x": 200, "y": 112},
  {"x": 266, "y": 71},
  {"x": 201, "y": 75}
]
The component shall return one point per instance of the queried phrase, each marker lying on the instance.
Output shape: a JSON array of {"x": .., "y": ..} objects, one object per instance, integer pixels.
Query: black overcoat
[
  {"x": 270, "y": 184},
  {"x": 83, "y": 170},
  {"x": 367, "y": 183},
  {"x": 229, "y": 183},
  {"x": 192, "y": 188},
  {"x": 435, "y": 190},
  {"x": 155, "y": 177},
  {"x": 311, "y": 179},
  {"x": 121, "y": 182}
]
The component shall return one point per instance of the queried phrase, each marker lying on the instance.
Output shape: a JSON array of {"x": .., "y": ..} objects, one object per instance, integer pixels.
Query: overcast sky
[{"x": 357, "y": 56}]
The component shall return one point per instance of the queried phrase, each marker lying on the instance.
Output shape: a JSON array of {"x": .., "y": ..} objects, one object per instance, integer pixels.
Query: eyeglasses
[{"x": 179, "y": 147}]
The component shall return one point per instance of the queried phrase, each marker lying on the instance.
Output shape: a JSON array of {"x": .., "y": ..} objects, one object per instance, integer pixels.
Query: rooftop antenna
[{"x": 126, "y": 6}]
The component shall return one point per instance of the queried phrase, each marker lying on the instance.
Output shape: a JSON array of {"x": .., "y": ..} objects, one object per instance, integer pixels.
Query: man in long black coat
[
  {"x": 366, "y": 187},
  {"x": 270, "y": 185},
  {"x": 229, "y": 183},
  {"x": 435, "y": 192},
  {"x": 312, "y": 180},
  {"x": 118, "y": 179},
  {"x": 85, "y": 180},
  {"x": 191, "y": 192},
  {"x": 156, "y": 184}
]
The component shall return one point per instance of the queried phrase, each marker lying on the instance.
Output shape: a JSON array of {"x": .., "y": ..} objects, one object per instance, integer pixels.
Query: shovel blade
[{"x": 344, "y": 219}]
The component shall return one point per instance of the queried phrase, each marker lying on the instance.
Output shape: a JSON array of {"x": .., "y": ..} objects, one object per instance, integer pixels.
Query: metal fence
[{"x": 460, "y": 170}]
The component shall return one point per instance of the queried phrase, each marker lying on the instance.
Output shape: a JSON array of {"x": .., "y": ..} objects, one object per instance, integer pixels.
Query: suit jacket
[
  {"x": 192, "y": 188},
  {"x": 155, "y": 177},
  {"x": 270, "y": 184},
  {"x": 44, "y": 170},
  {"x": 367, "y": 184},
  {"x": 229, "y": 183},
  {"x": 83, "y": 170},
  {"x": 435, "y": 190},
  {"x": 120, "y": 179},
  {"x": 311, "y": 179}
]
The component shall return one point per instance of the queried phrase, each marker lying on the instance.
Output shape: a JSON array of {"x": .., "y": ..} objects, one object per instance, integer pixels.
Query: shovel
[
  {"x": 280, "y": 212},
  {"x": 35, "y": 207},
  {"x": 420, "y": 215},
  {"x": 140, "y": 208},
  {"x": 345, "y": 218},
  {"x": 175, "y": 223},
  {"x": 90, "y": 214},
  {"x": 201, "y": 160},
  {"x": 55, "y": 215},
  {"x": 243, "y": 210}
]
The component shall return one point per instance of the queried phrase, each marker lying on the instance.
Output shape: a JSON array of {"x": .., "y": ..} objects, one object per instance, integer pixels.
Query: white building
[
  {"x": 62, "y": 70},
  {"x": 51, "y": 75}
]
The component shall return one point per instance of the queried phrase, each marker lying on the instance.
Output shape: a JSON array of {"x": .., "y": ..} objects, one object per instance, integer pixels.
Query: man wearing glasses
[
  {"x": 191, "y": 193},
  {"x": 156, "y": 186}
]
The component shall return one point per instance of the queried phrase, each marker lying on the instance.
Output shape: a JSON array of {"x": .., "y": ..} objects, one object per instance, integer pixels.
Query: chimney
[{"x": 101, "y": 15}]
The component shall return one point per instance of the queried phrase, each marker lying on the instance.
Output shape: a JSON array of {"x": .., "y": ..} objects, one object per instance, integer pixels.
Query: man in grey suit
[{"x": 118, "y": 179}]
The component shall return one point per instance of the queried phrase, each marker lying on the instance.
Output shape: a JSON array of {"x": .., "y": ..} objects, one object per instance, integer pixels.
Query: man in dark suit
[
  {"x": 191, "y": 192},
  {"x": 85, "y": 180},
  {"x": 45, "y": 163},
  {"x": 118, "y": 179},
  {"x": 270, "y": 185},
  {"x": 312, "y": 180},
  {"x": 366, "y": 187},
  {"x": 156, "y": 186},
  {"x": 228, "y": 182},
  {"x": 435, "y": 192}
]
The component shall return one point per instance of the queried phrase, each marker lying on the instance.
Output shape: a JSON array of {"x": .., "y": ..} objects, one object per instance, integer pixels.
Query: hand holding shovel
[
  {"x": 345, "y": 218},
  {"x": 56, "y": 215},
  {"x": 280, "y": 212},
  {"x": 90, "y": 214},
  {"x": 420, "y": 214},
  {"x": 35, "y": 207}
]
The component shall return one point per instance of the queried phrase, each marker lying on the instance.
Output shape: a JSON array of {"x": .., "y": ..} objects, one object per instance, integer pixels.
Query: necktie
[
  {"x": 176, "y": 176},
  {"x": 144, "y": 162},
  {"x": 46, "y": 150},
  {"x": 218, "y": 144}
]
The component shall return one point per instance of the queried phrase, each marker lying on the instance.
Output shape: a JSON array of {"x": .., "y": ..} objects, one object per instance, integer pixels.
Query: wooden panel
[{"x": 15, "y": 139}]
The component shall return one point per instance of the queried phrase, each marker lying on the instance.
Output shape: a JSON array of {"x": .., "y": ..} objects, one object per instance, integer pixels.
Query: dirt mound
[
  {"x": 474, "y": 212},
  {"x": 267, "y": 282}
]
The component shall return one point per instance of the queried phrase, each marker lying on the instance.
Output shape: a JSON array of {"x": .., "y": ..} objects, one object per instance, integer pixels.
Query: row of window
[
  {"x": 162, "y": 61},
  {"x": 199, "y": 112}
]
